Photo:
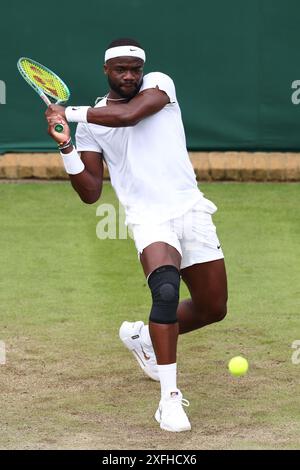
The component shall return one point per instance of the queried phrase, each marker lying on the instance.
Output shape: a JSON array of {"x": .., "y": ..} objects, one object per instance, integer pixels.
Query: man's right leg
[
  {"x": 161, "y": 263},
  {"x": 164, "y": 330},
  {"x": 162, "y": 337}
]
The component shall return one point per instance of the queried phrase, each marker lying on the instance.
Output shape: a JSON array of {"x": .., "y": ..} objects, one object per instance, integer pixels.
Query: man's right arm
[{"x": 86, "y": 181}]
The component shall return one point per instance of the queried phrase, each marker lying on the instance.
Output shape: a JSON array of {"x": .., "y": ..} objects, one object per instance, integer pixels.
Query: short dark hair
[{"x": 124, "y": 42}]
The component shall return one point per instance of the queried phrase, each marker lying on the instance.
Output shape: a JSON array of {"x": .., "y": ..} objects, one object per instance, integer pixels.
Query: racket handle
[{"x": 58, "y": 128}]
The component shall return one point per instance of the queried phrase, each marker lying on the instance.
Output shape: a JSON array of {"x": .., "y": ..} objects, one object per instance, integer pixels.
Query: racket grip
[{"x": 58, "y": 128}]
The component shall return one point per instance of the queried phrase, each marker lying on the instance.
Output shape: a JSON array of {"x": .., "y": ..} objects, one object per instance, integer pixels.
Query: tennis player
[{"x": 137, "y": 129}]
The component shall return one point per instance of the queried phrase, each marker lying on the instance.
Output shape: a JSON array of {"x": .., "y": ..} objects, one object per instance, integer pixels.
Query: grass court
[{"x": 69, "y": 383}]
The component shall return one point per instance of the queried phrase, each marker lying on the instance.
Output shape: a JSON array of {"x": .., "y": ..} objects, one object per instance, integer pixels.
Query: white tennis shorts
[{"x": 193, "y": 235}]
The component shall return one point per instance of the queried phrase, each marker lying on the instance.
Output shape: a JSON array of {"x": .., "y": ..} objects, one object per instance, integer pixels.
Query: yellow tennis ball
[{"x": 238, "y": 366}]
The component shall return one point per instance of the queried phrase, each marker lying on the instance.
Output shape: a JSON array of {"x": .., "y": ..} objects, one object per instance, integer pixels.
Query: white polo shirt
[{"x": 148, "y": 163}]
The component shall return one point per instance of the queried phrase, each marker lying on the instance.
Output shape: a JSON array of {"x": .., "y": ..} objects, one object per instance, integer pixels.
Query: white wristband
[
  {"x": 76, "y": 113},
  {"x": 72, "y": 162}
]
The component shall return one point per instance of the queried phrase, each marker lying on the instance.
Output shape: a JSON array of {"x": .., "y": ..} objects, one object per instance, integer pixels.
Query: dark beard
[{"x": 121, "y": 93}]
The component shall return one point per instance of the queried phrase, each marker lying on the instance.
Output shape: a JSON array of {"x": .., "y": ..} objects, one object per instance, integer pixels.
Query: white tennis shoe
[
  {"x": 130, "y": 335},
  {"x": 170, "y": 413}
]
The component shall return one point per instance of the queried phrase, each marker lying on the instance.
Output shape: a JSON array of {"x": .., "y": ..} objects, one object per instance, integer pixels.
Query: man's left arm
[{"x": 146, "y": 103}]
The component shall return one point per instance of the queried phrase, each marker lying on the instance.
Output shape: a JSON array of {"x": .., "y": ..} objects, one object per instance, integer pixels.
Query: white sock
[
  {"x": 168, "y": 378},
  {"x": 145, "y": 336}
]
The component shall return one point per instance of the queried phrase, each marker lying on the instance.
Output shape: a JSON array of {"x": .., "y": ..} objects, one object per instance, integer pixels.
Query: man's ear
[{"x": 105, "y": 69}]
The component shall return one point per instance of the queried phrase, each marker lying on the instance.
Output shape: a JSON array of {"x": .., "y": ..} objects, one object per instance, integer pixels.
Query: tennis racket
[{"x": 45, "y": 82}]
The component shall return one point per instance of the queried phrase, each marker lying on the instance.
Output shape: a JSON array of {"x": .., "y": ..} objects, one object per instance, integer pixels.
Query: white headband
[{"x": 119, "y": 51}]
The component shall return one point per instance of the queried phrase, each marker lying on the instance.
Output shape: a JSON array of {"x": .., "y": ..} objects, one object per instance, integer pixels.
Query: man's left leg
[{"x": 207, "y": 284}]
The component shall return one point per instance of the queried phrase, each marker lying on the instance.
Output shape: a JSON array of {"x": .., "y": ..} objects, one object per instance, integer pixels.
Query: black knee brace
[{"x": 164, "y": 285}]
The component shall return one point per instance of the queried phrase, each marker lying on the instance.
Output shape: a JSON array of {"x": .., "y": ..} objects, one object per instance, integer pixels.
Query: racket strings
[{"x": 47, "y": 81}]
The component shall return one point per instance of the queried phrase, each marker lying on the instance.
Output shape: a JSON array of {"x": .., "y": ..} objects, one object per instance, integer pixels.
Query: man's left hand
[{"x": 56, "y": 109}]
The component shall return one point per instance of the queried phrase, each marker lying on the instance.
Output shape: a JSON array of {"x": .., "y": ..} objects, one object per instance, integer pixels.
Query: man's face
[{"x": 125, "y": 75}]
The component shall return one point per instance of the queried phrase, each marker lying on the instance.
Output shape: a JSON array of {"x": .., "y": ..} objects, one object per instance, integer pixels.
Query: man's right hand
[{"x": 59, "y": 137}]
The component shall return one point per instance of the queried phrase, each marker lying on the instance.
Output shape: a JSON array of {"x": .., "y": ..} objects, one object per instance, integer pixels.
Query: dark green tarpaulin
[{"x": 233, "y": 63}]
